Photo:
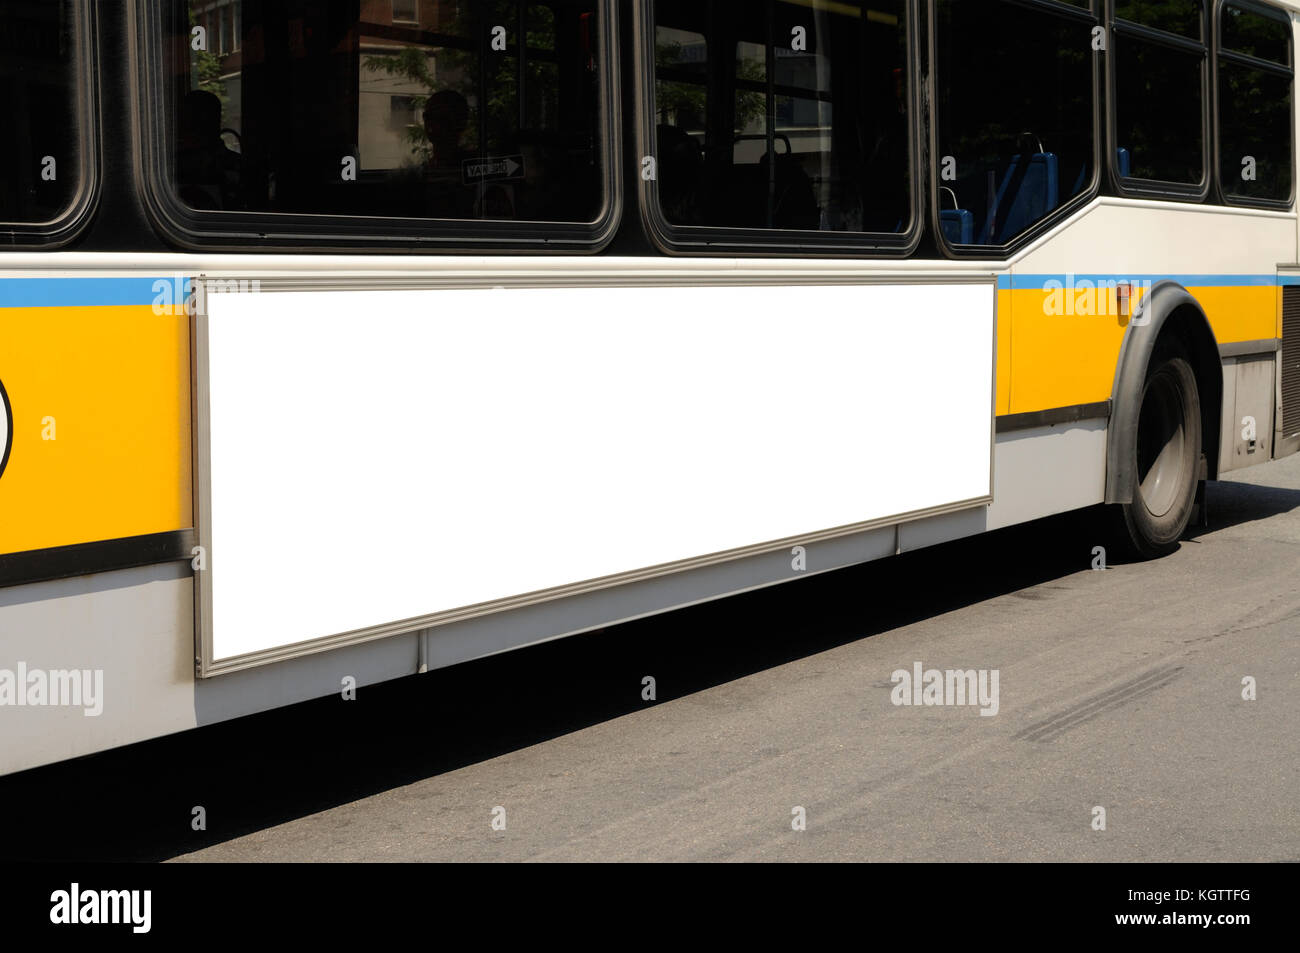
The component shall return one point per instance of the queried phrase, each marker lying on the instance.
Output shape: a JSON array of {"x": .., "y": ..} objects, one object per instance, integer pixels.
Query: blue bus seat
[
  {"x": 958, "y": 225},
  {"x": 1030, "y": 191}
]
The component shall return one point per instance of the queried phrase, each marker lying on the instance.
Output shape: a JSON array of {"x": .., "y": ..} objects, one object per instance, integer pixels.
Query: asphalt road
[{"x": 1118, "y": 689}]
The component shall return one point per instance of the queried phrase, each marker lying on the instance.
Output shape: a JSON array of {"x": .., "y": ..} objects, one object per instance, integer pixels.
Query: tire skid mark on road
[
  {"x": 1093, "y": 706},
  {"x": 1289, "y": 610}
]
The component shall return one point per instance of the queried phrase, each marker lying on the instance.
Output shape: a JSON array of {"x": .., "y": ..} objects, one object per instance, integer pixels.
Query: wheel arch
[{"x": 1168, "y": 310}]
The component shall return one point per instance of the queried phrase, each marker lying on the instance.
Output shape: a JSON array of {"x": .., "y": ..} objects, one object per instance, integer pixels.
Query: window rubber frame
[
  {"x": 288, "y": 232},
  {"x": 1084, "y": 15},
  {"x": 1220, "y": 195},
  {"x": 66, "y": 227},
  {"x": 1130, "y": 186},
  {"x": 714, "y": 240}
]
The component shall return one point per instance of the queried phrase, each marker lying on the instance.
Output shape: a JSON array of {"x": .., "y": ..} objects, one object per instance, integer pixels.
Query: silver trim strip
[
  {"x": 200, "y": 445},
  {"x": 1245, "y": 348},
  {"x": 576, "y": 268}
]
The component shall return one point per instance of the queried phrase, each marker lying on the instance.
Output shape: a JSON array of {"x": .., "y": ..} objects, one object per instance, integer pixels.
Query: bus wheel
[{"x": 1168, "y": 453}]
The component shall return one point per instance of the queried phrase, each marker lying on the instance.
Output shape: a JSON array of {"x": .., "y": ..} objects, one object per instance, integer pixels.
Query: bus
[{"x": 342, "y": 340}]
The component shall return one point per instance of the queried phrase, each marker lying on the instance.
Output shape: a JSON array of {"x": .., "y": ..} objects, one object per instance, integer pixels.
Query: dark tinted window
[
  {"x": 39, "y": 161},
  {"x": 448, "y": 109},
  {"x": 1248, "y": 31},
  {"x": 783, "y": 115},
  {"x": 1255, "y": 105},
  {"x": 1173, "y": 16},
  {"x": 1015, "y": 117},
  {"x": 1159, "y": 116}
]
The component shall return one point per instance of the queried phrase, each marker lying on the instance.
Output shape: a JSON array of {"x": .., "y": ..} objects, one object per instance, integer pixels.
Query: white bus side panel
[{"x": 379, "y": 461}]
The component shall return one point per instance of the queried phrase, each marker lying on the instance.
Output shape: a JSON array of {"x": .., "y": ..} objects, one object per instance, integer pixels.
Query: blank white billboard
[{"x": 384, "y": 456}]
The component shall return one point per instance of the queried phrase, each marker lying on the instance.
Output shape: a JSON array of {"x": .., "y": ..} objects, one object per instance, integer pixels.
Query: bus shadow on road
[
  {"x": 137, "y": 803},
  {"x": 1232, "y": 504}
]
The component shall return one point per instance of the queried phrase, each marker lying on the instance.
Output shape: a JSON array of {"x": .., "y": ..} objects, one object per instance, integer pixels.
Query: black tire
[{"x": 1167, "y": 458}]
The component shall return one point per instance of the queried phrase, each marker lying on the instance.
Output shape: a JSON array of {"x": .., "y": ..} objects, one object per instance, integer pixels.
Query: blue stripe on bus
[
  {"x": 1039, "y": 282},
  {"x": 85, "y": 292},
  {"x": 79, "y": 292}
]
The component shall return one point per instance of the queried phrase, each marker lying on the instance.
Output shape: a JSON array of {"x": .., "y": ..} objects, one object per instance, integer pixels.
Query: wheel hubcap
[{"x": 1161, "y": 443}]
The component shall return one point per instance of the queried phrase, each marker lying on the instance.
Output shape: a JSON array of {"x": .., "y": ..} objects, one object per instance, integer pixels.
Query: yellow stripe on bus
[
  {"x": 1058, "y": 360},
  {"x": 101, "y": 419}
]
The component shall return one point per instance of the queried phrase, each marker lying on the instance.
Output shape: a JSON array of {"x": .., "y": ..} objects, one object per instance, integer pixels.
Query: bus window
[
  {"x": 1255, "y": 105},
  {"x": 783, "y": 115},
  {"x": 40, "y": 162},
  {"x": 478, "y": 109},
  {"x": 1180, "y": 17},
  {"x": 1159, "y": 58},
  {"x": 1014, "y": 116},
  {"x": 1249, "y": 32}
]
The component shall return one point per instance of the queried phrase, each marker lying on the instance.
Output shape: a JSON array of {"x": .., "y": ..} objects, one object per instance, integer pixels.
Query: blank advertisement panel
[{"x": 391, "y": 458}]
